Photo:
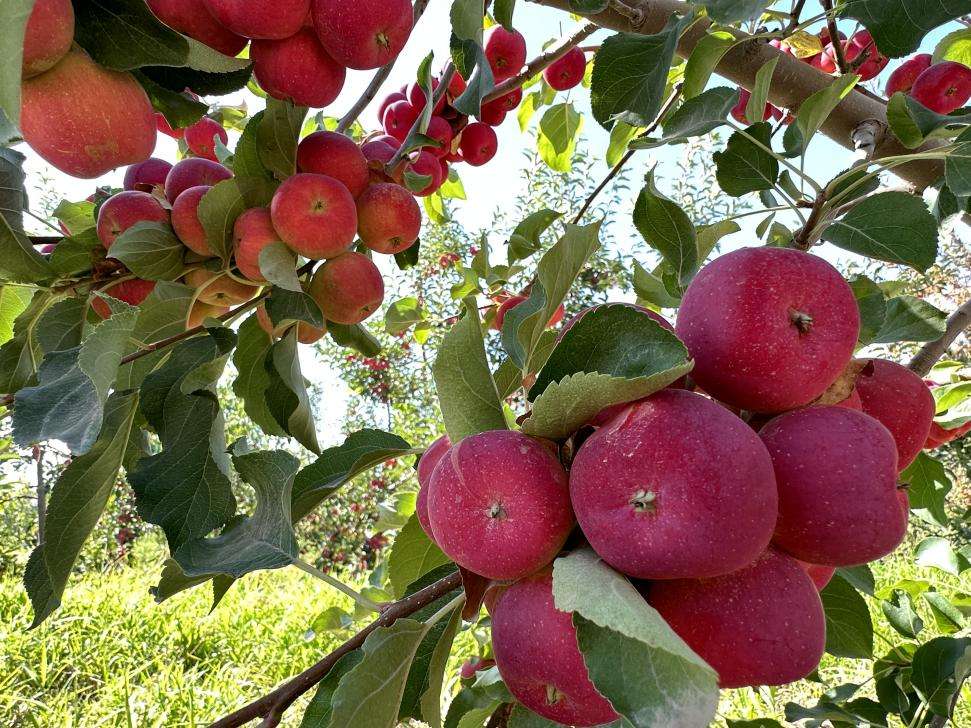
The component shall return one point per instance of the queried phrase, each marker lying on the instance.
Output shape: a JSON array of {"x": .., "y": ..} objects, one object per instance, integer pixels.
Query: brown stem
[
  {"x": 274, "y": 704},
  {"x": 615, "y": 170},
  {"x": 500, "y": 716},
  {"x": 794, "y": 16},
  {"x": 437, "y": 94},
  {"x": 932, "y": 351},
  {"x": 804, "y": 238},
  {"x": 834, "y": 38},
  {"x": 380, "y": 76},
  {"x": 538, "y": 64}
]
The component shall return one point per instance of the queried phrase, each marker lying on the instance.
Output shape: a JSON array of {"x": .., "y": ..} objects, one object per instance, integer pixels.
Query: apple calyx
[
  {"x": 801, "y": 320},
  {"x": 643, "y": 501}
]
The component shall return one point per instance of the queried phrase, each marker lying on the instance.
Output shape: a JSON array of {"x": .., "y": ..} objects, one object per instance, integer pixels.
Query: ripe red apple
[
  {"x": 836, "y": 471},
  {"x": 761, "y": 625},
  {"x": 939, "y": 436},
  {"x": 478, "y": 143},
  {"x": 125, "y": 209},
  {"x": 566, "y": 72},
  {"x": 363, "y": 34},
  {"x": 505, "y": 51},
  {"x": 193, "y": 19},
  {"x": 201, "y": 311},
  {"x": 675, "y": 486},
  {"x": 271, "y": 19},
  {"x": 337, "y": 156},
  {"x": 456, "y": 86},
  {"x": 861, "y": 45},
  {"x": 499, "y": 504},
  {"x": 201, "y": 137},
  {"x": 738, "y": 111},
  {"x": 391, "y": 98},
  {"x": 536, "y": 651},
  {"x": 944, "y": 87},
  {"x": 511, "y": 302},
  {"x": 399, "y": 117},
  {"x": 306, "y": 334},
  {"x": 186, "y": 223},
  {"x": 378, "y": 153},
  {"x": 426, "y": 164},
  {"x": 218, "y": 289},
  {"x": 903, "y": 77},
  {"x": 769, "y": 328},
  {"x": 426, "y": 466},
  {"x": 348, "y": 288},
  {"x": 48, "y": 35},
  {"x": 821, "y": 575},
  {"x": 441, "y": 131},
  {"x": 388, "y": 218},
  {"x": 252, "y": 232},
  {"x": 132, "y": 292},
  {"x": 416, "y": 96},
  {"x": 146, "y": 175},
  {"x": 162, "y": 125},
  {"x": 297, "y": 68},
  {"x": 493, "y": 115},
  {"x": 193, "y": 172},
  {"x": 901, "y": 401},
  {"x": 110, "y": 124},
  {"x": 314, "y": 215}
]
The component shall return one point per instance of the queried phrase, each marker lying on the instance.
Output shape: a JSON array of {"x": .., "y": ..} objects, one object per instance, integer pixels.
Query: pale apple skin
[
  {"x": 48, "y": 35},
  {"x": 224, "y": 291},
  {"x": 348, "y": 288}
]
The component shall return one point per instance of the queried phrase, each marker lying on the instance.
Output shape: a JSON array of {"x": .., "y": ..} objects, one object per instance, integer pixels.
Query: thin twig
[
  {"x": 380, "y": 76},
  {"x": 615, "y": 170},
  {"x": 932, "y": 351},
  {"x": 834, "y": 37},
  {"x": 803, "y": 239},
  {"x": 541, "y": 62},
  {"x": 275, "y": 703},
  {"x": 794, "y": 16}
]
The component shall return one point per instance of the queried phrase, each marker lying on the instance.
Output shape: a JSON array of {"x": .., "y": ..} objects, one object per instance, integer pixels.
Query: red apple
[
  {"x": 391, "y": 98},
  {"x": 132, "y": 292},
  {"x": 193, "y": 19},
  {"x": 441, "y": 131},
  {"x": 566, "y": 72},
  {"x": 314, "y": 215},
  {"x": 944, "y": 87},
  {"x": 201, "y": 138},
  {"x": 125, "y": 209},
  {"x": 821, "y": 575},
  {"x": 252, "y": 232},
  {"x": 265, "y": 19},
  {"x": 399, "y": 117},
  {"x": 193, "y": 172},
  {"x": 416, "y": 96},
  {"x": 388, "y": 218},
  {"x": 218, "y": 289},
  {"x": 297, "y": 68},
  {"x": 48, "y": 35},
  {"x": 348, "y": 288},
  {"x": 902, "y": 79},
  {"x": 499, "y": 504},
  {"x": 186, "y": 223},
  {"x": 478, "y": 143},
  {"x": 505, "y": 51},
  {"x": 761, "y": 625},
  {"x": 146, "y": 175},
  {"x": 493, "y": 114},
  {"x": 363, "y": 34},
  {"x": 85, "y": 134},
  {"x": 337, "y": 156},
  {"x": 426, "y": 466},
  {"x": 306, "y": 334},
  {"x": 769, "y": 328},
  {"x": 862, "y": 46},
  {"x": 426, "y": 164},
  {"x": 201, "y": 311}
]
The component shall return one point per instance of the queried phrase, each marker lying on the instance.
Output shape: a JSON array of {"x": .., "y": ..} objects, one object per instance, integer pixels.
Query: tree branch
[
  {"x": 797, "y": 7},
  {"x": 834, "y": 38},
  {"x": 792, "y": 83},
  {"x": 932, "y": 351},
  {"x": 272, "y": 706},
  {"x": 541, "y": 62}
]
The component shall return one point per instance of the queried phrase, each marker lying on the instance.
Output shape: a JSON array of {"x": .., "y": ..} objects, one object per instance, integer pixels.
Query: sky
[{"x": 496, "y": 184}]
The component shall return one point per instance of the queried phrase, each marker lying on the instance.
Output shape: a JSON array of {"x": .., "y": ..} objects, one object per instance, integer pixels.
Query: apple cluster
[
  {"x": 942, "y": 87},
  {"x": 728, "y": 498}
]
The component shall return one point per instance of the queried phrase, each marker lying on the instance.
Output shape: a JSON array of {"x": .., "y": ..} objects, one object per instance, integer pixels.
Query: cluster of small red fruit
[
  {"x": 942, "y": 87},
  {"x": 729, "y": 506}
]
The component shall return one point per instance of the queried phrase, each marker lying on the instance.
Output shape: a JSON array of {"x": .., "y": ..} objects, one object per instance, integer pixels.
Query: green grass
[{"x": 112, "y": 657}]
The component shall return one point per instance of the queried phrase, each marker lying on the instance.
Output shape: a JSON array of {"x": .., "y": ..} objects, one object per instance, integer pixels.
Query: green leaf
[
  {"x": 559, "y": 129},
  {"x": 895, "y": 227},
  {"x": 470, "y": 60},
  {"x": 254, "y": 180},
  {"x": 523, "y": 717},
  {"x": 15, "y": 15},
  {"x": 957, "y": 166},
  {"x": 402, "y": 315},
  {"x": 929, "y": 486},
  {"x": 745, "y": 166},
  {"x": 201, "y": 82},
  {"x": 185, "y": 488},
  {"x": 431, "y": 698},
  {"x": 898, "y": 26},
  {"x": 124, "y": 34},
  {"x": 278, "y": 265},
  {"x": 911, "y": 319},
  {"x": 412, "y": 556},
  {"x": 218, "y": 210},
  {"x": 466, "y": 19},
  {"x": 319, "y": 711},
  {"x": 947, "y": 617},
  {"x": 703, "y": 60},
  {"x": 179, "y": 109},
  {"x": 650, "y": 289},
  {"x": 356, "y": 337},
  {"x": 68, "y": 402},
  {"x": 362, "y": 450},
  {"x": 284, "y": 305},
  {"x": 635, "y": 660},
  {"x": 151, "y": 251},
  {"x": 849, "y": 629},
  {"x": 13, "y": 301},
  {"x": 370, "y": 694},
  {"x": 76, "y": 504},
  {"x": 913, "y": 123},
  {"x": 61, "y": 326},
  {"x": 938, "y": 553},
  {"x": 76, "y": 253},
  {"x": 814, "y": 111},
  {"x": 161, "y": 315},
  {"x": 872, "y": 306},
  {"x": 503, "y": 10},
  {"x": 955, "y": 46},
  {"x": 263, "y": 540},
  {"x": 734, "y": 11},
  {"x": 939, "y": 668},
  {"x": 899, "y": 611},
  {"x": 253, "y": 379},
  {"x": 620, "y": 136},
  {"x": 695, "y": 117},
  {"x": 277, "y": 136},
  {"x": 466, "y": 391},
  {"x": 555, "y": 273},
  {"x": 525, "y": 238},
  {"x": 755, "y": 108},
  {"x": 286, "y": 396},
  {"x": 19, "y": 261},
  {"x": 668, "y": 229},
  {"x": 20, "y": 355},
  {"x": 630, "y": 73},
  {"x": 75, "y": 216}
]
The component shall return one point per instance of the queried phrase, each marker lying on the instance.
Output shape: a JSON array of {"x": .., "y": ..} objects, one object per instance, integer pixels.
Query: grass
[{"x": 112, "y": 657}]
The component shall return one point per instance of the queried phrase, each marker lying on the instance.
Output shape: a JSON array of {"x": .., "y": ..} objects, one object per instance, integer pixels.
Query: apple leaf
[
  {"x": 910, "y": 319},
  {"x": 151, "y": 251},
  {"x": 650, "y": 676},
  {"x": 277, "y": 135},
  {"x": 278, "y": 264},
  {"x": 695, "y": 117},
  {"x": 61, "y": 326},
  {"x": 318, "y": 711},
  {"x": 955, "y": 46},
  {"x": 470, "y": 61},
  {"x": 814, "y": 111},
  {"x": 254, "y": 180},
  {"x": 745, "y": 166},
  {"x": 68, "y": 402},
  {"x": 76, "y": 504},
  {"x": 668, "y": 229},
  {"x": 525, "y": 238},
  {"x": 413, "y": 555},
  {"x": 849, "y": 629},
  {"x": 355, "y": 337},
  {"x": 704, "y": 58},
  {"x": 898, "y": 26},
  {"x": 19, "y": 355},
  {"x": 939, "y": 669},
  {"x": 13, "y": 301},
  {"x": 285, "y": 305},
  {"x": 872, "y": 305},
  {"x": 957, "y": 166},
  {"x": 286, "y": 395},
  {"x": 900, "y": 612},
  {"x": 913, "y": 123},
  {"x": 929, "y": 485},
  {"x": 253, "y": 380},
  {"x": 559, "y": 129},
  {"x": 735, "y": 11},
  {"x": 124, "y": 35},
  {"x": 218, "y": 210},
  {"x": 15, "y": 15},
  {"x": 938, "y": 553},
  {"x": 161, "y": 315},
  {"x": 19, "y": 261}
]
